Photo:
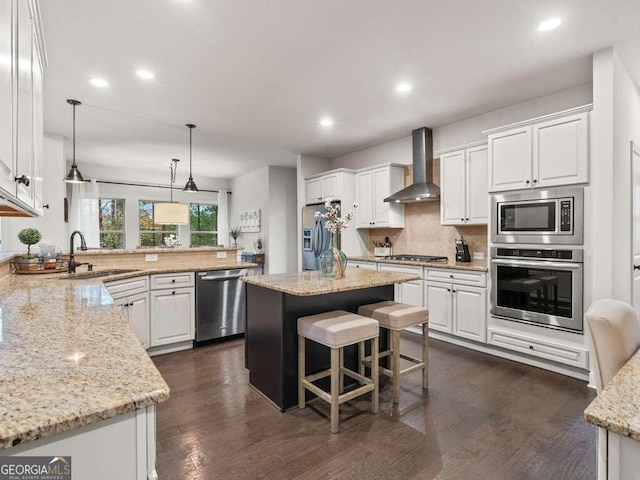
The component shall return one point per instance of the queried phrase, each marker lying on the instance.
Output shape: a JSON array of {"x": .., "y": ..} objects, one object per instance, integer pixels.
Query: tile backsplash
[{"x": 423, "y": 234}]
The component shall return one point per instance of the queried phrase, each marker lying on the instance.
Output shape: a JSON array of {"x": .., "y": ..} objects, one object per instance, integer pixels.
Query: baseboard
[
  {"x": 174, "y": 347},
  {"x": 509, "y": 355}
]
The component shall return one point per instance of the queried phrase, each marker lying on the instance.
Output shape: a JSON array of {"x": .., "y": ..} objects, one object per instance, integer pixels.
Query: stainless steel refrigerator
[{"x": 315, "y": 238}]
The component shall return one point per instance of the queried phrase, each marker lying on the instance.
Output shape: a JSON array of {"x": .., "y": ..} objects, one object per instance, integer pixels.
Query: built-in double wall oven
[{"x": 537, "y": 257}]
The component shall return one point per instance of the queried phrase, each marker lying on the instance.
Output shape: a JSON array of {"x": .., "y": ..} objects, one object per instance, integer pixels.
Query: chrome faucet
[{"x": 83, "y": 247}]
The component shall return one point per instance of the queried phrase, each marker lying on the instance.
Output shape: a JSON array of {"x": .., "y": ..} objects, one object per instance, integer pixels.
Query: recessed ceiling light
[
  {"x": 403, "y": 87},
  {"x": 549, "y": 24},
  {"x": 145, "y": 74},
  {"x": 326, "y": 122},
  {"x": 98, "y": 82}
]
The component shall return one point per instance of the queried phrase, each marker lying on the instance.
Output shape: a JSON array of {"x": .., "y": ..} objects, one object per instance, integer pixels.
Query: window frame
[
  {"x": 124, "y": 221},
  {"x": 206, "y": 232}
]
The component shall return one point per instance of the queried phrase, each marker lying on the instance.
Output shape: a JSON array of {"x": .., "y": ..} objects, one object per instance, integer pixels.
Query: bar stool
[
  {"x": 337, "y": 329},
  {"x": 394, "y": 317}
]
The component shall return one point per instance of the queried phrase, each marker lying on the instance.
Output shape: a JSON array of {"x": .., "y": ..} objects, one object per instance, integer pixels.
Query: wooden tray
[{"x": 40, "y": 272}]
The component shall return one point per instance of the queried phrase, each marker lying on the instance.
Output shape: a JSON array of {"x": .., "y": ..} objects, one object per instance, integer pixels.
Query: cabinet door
[
  {"x": 172, "y": 316},
  {"x": 477, "y": 192},
  {"x": 38, "y": 130},
  {"x": 312, "y": 191},
  {"x": 452, "y": 202},
  {"x": 364, "y": 195},
  {"x": 7, "y": 86},
  {"x": 381, "y": 187},
  {"x": 470, "y": 313},
  {"x": 329, "y": 186},
  {"x": 138, "y": 317},
  {"x": 25, "y": 103},
  {"x": 411, "y": 293},
  {"x": 560, "y": 151},
  {"x": 438, "y": 301},
  {"x": 510, "y": 160}
]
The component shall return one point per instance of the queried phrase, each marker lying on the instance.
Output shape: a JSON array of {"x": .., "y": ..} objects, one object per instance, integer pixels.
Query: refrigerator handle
[{"x": 317, "y": 238}]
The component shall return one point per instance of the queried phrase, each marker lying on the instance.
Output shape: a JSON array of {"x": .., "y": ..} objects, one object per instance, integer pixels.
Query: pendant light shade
[
  {"x": 191, "y": 185},
  {"x": 74, "y": 175},
  {"x": 171, "y": 213}
]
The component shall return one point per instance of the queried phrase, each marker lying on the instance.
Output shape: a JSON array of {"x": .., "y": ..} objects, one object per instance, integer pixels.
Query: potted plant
[{"x": 28, "y": 237}]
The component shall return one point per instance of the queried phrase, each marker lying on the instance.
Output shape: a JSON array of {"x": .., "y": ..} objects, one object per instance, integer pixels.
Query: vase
[{"x": 333, "y": 261}]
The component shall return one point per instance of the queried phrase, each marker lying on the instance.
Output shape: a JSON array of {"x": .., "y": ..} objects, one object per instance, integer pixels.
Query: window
[
  {"x": 111, "y": 221},
  {"x": 203, "y": 219},
  {"x": 152, "y": 235}
]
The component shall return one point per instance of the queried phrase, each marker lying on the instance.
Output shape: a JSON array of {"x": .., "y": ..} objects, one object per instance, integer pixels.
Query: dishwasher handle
[{"x": 220, "y": 279}]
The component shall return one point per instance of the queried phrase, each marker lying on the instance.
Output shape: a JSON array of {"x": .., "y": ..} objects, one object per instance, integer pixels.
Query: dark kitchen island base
[{"x": 271, "y": 336}]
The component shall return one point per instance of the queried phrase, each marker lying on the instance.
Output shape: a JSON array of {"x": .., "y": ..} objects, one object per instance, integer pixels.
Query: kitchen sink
[{"x": 97, "y": 274}]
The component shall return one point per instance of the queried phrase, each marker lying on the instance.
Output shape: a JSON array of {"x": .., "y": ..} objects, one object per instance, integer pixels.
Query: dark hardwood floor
[{"x": 482, "y": 418}]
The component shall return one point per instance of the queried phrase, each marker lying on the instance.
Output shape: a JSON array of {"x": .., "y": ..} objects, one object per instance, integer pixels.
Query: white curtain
[
  {"x": 223, "y": 218},
  {"x": 83, "y": 214}
]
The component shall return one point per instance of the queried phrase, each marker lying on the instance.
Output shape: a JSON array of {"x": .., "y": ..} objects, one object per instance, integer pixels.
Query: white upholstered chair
[{"x": 614, "y": 336}]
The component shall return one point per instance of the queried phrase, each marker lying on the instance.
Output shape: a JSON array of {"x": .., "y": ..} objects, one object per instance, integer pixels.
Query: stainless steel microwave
[{"x": 551, "y": 217}]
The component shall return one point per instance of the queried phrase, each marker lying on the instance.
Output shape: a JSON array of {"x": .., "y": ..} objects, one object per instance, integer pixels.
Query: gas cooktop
[{"x": 417, "y": 258}]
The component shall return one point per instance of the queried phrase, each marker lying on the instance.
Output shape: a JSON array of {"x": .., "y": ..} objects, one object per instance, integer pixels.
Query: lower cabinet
[
  {"x": 135, "y": 309},
  {"x": 457, "y": 309},
  {"x": 412, "y": 292},
  {"x": 172, "y": 315}
]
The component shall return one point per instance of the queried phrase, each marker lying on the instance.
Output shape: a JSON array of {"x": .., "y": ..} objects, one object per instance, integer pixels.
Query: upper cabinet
[
  {"x": 373, "y": 185},
  {"x": 545, "y": 152},
  {"x": 463, "y": 184},
  {"x": 21, "y": 124},
  {"x": 333, "y": 184}
]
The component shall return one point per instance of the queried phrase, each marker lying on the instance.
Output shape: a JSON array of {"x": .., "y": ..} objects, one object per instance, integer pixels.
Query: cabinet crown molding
[
  {"x": 564, "y": 113},
  {"x": 382, "y": 165},
  {"x": 329, "y": 172},
  {"x": 480, "y": 143}
]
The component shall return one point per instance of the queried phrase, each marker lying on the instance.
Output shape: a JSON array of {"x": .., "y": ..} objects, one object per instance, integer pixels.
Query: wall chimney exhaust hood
[{"x": 422, "y": 189}]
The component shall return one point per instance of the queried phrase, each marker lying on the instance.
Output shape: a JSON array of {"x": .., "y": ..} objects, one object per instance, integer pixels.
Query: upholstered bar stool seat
[
  {"x": 394, "y": 317},
  {"x": 337, "y": 329}
]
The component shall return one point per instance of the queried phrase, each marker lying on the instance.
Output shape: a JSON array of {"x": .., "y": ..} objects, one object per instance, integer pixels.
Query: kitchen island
[
  {"x": 616, "y": 413},
  {"x": 275, "y": 302}
]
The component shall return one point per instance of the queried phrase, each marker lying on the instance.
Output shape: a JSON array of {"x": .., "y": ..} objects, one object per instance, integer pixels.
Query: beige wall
[{"x": 423, "y": 233}]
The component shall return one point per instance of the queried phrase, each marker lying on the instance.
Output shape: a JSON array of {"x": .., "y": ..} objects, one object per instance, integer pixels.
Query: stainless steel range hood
[{"x": 422, "y": 189}]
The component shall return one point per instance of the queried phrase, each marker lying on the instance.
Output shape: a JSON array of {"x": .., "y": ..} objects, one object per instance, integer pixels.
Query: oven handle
[{"x": 537, "y": 264}]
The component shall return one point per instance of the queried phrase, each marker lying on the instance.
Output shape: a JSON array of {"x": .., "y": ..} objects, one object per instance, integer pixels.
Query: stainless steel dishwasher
[{"x": 220, "y": 304}]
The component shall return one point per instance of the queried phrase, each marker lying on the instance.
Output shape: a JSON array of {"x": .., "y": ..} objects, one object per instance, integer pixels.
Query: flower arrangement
[
  {"x": 172, "y": 241},
  {"x": 333, "y": 222},
  {"x": 234, "y": 232}
]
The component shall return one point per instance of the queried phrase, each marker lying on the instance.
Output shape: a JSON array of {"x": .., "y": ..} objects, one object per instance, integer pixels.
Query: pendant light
[
  {"x": 191, "y": 185},
  {"x": 74, "y": 175},
  {"x": 171, "y": 213}
]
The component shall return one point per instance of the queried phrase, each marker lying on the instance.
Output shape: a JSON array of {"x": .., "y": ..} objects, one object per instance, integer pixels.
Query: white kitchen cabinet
[
  {"x": 363, "y": 265},
  {"x": 470, "y": 312},
  {"x": 172, "y": 316},
  {"x": 438, "y": 301},
  {"x": 334, "y": 184},
  {"x": 464, "y": 193},
  {"x": 37, "y": 179},
  {"x": 7, "y": 12},
  {"x": 540, "y": 153},
  {"x": 24, "y": 164},
  {"x": 411, "y": 292},
  {"x": 561, "y": 150},
  {"x": 457, "y": 309},
  {"x": 373, "y": 185},
  {"x": 135, "y": 309}
]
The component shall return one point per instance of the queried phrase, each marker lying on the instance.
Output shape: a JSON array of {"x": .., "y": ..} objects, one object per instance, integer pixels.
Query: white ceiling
[{"x": 256, "y": 76}]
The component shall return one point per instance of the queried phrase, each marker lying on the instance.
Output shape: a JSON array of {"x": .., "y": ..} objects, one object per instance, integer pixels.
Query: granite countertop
[
  {"x": 111, "y": 251},
  {"x": 310, "y": 283},
  {"x": 68, "y": 358},
  {"x": 617, "y": 408},
  {"x": 474, "y": 265}
]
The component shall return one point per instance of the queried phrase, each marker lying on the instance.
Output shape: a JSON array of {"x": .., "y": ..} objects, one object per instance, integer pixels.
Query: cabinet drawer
[
  {"x": 364, "y": 265},
  {"x": 130, "y": 286},
  {"x": 408, "y": 269},
  {"x": 461, "y": 277},
  {"x": 172, "y": 280},
  {"x": 565, "y": 354}
]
